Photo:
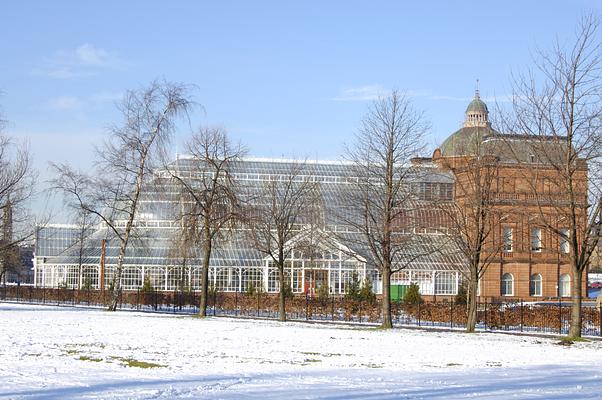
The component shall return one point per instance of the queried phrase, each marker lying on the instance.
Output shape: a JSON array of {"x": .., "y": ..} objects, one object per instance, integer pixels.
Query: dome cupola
[
  {"x": 468, "y": 139},
  {"x": 477, "y": 113}
]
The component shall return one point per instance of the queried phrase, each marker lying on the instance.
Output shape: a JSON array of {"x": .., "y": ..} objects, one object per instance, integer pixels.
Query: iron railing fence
[{"x": 518, "y": 316}]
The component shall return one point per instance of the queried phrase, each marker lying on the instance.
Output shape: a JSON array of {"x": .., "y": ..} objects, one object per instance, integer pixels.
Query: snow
[{"x": 52, "y": 352}]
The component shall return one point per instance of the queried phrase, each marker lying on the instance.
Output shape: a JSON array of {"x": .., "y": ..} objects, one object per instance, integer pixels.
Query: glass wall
[{"x": 70, "y": 256}]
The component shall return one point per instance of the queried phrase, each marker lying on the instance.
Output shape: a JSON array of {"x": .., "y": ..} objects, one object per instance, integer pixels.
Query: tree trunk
[
  {"x": 116, "y": 289},
  {"x": 282, "y": 297},
  {"x": 575, "y": 329},
  {"x": 386, "y": 305},
  {"x": 116, "y": 281},
  {"x": 205, "y": 278},
  {"x": 471, "y": 299}
]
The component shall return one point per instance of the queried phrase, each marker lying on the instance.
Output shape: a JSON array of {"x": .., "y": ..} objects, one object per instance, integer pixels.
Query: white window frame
[
  {"x": 535, "y": 285},
  {"x": 508, "y": 239},
  {"x": 446, "y": 283},
  {"x": 536, "y": 240},
  {"x": 566, "y": 281},
  {"x": 503, "y": 283},
  {"x": 564, "y": 244}
]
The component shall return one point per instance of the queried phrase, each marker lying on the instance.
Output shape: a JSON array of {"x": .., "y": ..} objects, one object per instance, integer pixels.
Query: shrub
[
  {"x": 87, "y": 284},
  {"x": 211, "y": 291},
  {"x": 352, "y": 292},
  {"x": 323, "y": 293},
  {"x": 288, "y": 291},
  {"x": 251, "y": 289},
  {"x": 461, "y": 298},
  {"x": 147, "y": 286},
  {"x": 412, "y": 295},
  {"x": 366, "y": 293},
  {"x": 360, "y": 291}
]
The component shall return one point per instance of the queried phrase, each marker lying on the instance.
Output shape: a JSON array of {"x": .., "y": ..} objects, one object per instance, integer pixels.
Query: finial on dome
[{"x": 477, "y": 112}]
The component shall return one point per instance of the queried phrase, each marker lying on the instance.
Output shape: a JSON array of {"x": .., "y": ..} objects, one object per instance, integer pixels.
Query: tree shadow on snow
[{"x": 552, "y": 382}]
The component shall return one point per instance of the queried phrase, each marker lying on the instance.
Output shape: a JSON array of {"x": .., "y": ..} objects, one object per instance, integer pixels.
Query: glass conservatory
[{"x": 85, "y": 256}]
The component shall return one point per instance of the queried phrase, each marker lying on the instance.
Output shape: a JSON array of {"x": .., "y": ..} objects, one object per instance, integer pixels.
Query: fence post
[
  {"x": 360, "y": 312},
  {"x": 559, "y": 316},
  {"x": 306, "y": 307},
  {"x": 485, "y": 314},
  {"x": 214, "y": 301},
  {"x": 521, "y": 315},
  {"x": 451, "y": 314},
  {"x": 418, "y": 313},
  {"x": 258, "y": 303},
  {"x": 333, "y": 308},
  {"x": 600, "y": 319}
]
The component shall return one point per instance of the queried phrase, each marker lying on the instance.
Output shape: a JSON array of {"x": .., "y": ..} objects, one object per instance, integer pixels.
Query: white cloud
[
  {"x": 88, "y": 54},
  {"x": 361, "y": 93},
  {"x": 65, "y": 103},
  {"x": 74, "y": 103},
  {"x": 59, "y": 73},
  {"x": 376, "y": 91},
  {"x": 84, "y": 60},
  {"x": 450, "y": 98},
  {"x": 106, "y": 96}
]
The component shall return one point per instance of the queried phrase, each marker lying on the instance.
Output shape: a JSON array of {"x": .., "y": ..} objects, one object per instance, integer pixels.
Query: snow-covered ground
[{"x": 49, "y": 352}]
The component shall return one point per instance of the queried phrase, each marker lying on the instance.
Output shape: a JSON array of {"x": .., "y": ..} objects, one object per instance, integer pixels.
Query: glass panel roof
[{"x": 155, "y": 236}]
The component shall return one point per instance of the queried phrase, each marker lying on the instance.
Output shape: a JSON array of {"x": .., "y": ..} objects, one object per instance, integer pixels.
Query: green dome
[
  {"x": 477, "y": 106},
  {"x": 468, "y": 139}
]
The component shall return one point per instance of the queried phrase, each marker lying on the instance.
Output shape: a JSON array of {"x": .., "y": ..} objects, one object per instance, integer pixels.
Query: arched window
[
  {"x": 564, "y": 286},
  {"x": 274, "y": 281},
  {"x": 535, "y": 285},
  {"x": 507, "y": 285}
]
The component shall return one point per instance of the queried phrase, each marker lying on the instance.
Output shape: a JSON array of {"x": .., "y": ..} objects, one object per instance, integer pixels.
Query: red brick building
[{"x": 524, "y": 259}]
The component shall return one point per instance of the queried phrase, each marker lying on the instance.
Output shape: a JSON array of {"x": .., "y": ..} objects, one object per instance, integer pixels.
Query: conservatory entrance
[
  {"x": 314, "y": 260},
  {"x": 314, "y": 279}
]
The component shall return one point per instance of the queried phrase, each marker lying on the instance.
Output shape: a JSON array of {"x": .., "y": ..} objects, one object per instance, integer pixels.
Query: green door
[{"x": 398, "y": 291}]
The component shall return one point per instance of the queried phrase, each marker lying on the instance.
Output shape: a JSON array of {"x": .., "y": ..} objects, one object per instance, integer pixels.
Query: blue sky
[{"x": 284, "y": 78}]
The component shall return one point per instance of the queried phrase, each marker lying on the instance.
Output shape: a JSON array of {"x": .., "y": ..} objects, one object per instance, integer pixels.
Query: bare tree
[
  {"x": 85, "y": 223},
  {"x": 562, "y": 113},
  {"x": 277, "y": 215},
  {"x": 17, "y": 180},
  {"x": 472, "y": 217},
  {"x": 312, "y": 239},
  {"x": 125, "y": 165},
  {"x": 390, "y": 135},
  {"x": 209, "y": 201}
]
